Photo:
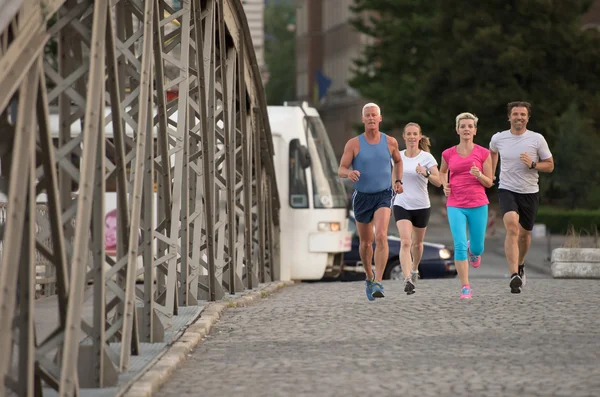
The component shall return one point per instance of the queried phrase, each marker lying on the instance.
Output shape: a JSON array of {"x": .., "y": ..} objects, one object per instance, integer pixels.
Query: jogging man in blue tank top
[{"x": 369, "y": 156}]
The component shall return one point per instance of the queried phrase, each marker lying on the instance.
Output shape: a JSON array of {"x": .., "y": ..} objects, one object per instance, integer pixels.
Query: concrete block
[
  {"x": 576, "y": 255},
  {"x": 576, "y": 263}
]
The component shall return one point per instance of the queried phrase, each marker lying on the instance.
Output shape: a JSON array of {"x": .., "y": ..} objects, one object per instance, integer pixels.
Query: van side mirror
[{"x": 304, "y": 156}]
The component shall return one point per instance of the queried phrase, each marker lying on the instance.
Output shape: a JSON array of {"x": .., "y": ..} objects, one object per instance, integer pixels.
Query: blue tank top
[{"x": 373, "y": 163}]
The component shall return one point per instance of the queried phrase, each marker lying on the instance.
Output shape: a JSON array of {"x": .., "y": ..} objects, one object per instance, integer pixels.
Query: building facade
[
  {"x": 255, "y": 11},
  {"x": 326, "y": 45}
]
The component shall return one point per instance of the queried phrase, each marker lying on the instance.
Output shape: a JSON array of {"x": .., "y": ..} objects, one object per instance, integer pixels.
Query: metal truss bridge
[{"x": 160, "y": 110}]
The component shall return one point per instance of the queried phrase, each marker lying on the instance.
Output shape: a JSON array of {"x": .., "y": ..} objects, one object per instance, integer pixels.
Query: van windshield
[{"x": 328, "y": 190}]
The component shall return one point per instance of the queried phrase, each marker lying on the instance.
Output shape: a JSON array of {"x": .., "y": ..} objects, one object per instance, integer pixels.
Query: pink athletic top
[{"x": 465, "y": 189}]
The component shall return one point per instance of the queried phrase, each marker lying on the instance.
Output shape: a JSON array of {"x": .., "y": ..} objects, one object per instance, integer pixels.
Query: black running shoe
[
  {"x": 409, "y": 287},
  {"x": 515, "y": 284},
  {"x": 522, "y": 273}
]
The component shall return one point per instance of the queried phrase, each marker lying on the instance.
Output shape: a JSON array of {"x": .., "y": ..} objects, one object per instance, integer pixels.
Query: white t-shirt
[
  {"x": 415, "y": 195},
  {"x": 514, "y": 175}
]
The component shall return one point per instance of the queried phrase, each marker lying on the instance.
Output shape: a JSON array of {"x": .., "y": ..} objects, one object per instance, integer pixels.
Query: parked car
[{"x": 437, "y": 261}]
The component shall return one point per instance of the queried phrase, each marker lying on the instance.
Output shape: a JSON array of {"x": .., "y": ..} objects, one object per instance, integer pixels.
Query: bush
[{"x": 558, "y": 220}]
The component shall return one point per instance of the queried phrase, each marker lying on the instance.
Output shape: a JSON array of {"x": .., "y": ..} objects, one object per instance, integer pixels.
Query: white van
[{"x": 314, "y": 230}]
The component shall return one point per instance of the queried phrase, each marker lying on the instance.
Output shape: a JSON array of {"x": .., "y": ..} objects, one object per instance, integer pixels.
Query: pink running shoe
[
  {"x": 465, "y": 292},
  {"x": 475, "y": 261}
]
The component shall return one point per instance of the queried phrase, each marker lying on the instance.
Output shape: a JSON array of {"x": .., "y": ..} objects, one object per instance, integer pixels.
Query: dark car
[{"x": 437, "y": 261}]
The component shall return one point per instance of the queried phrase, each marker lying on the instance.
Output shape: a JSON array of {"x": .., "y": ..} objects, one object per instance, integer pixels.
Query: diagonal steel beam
[
  {"x": 93, "y": 115},
  {"x": 23, "y": 152},
  {"x": 144, "y": 127}
]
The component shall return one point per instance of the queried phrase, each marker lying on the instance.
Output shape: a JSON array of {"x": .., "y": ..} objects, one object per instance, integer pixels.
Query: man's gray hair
[{"x": 371, "y": 105}]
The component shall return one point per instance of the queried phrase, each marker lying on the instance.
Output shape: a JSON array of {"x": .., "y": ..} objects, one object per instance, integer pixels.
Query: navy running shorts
[{"x": 365, "y": 204}]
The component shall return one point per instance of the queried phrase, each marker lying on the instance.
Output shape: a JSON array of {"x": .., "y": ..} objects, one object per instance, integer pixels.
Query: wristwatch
[
  {"x": 398, "y": 180},
  {"x": 533, "y": 164},
  {"x": 427, "y": 173}
]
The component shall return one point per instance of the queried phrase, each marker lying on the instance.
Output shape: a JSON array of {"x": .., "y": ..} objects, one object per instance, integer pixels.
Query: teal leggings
[{"x": 476, "y": 218}]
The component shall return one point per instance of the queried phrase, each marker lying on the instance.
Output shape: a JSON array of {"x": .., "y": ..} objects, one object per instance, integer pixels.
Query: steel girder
[{"x": 193, "y": 173}]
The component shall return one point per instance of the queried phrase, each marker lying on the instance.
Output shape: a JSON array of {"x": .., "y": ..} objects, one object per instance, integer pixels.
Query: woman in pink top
[{"x": 470, "y": 167}]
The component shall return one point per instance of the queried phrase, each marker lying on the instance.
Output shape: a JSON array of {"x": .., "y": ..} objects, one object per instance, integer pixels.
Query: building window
[
  {"x": 301, "y": 19},
  {"x": 298, "y": 186}
]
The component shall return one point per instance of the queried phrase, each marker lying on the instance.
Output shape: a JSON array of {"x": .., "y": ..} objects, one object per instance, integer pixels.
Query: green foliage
[
  {"x": 576, "y": 161},
  {"x": 280, "y": 52},
  {"x": 390, "y": 70},
  {"x": 432, "y": 59},
  {"x": 558, "y": 221}
]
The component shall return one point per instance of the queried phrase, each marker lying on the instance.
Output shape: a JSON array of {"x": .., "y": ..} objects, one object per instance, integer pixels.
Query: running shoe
[
  {"x": 409, "y": 287},
  {"x": 515, "y": 284},
  {"x": 522, "y": 273},
  {"x": 377, "y": 290},
  {"x": 465, "y": 292},
  {"x": 474, "y": 260},
  {"x": 414, "y": 276},
  {"x": 369, "y": 289}
]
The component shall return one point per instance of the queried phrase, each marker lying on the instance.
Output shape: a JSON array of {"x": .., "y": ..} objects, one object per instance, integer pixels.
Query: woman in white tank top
[{"x": 412, "y": 207}]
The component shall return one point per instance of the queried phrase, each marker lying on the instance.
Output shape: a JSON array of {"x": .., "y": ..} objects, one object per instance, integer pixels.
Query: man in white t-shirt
[{"x": 523, "y": 153}]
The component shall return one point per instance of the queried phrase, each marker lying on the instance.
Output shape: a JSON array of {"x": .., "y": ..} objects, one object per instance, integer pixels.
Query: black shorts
[
  {"x": 524, "y": 204},
  {"x": 418, "y": 218},
  {"x": 365, "y": 204}
]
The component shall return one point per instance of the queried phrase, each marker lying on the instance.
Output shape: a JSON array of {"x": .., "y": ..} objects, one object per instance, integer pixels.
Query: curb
[{"x": 158, "y": 373}]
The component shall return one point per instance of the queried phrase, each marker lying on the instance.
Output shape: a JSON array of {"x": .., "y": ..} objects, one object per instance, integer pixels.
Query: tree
[
  {"x": 434, "y": 59},
  {"x": 390, "y": 70},
  {"x": 280, "y": 52},
  {"x": 578, "y": 163}
]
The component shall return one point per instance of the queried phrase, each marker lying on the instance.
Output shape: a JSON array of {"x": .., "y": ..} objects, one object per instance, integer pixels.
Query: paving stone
[{"x": 326, "y": 339}]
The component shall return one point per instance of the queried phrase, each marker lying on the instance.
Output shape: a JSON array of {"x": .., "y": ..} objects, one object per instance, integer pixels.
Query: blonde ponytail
[{"x": 425, "y": 144}]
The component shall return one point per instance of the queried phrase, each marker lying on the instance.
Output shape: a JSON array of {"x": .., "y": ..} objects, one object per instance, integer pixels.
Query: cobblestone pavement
[{"x": 317, "y": 339}]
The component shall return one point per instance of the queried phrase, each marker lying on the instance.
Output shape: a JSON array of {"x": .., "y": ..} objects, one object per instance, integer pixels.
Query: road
[{"x": 326, "y": 339}]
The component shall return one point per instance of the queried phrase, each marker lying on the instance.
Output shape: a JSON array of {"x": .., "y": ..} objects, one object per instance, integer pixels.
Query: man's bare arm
[
  {"x": 545, "y": 165},
  {"x": 494, "y": 156},
  {"x": 398, "y": 169},
  {"x": 344, "y": 170},
  {"x": 397, "y": 158}
]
